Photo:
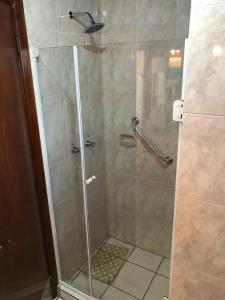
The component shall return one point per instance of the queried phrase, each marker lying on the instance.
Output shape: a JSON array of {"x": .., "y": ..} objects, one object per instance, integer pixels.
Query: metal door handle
[{"x": 91, "y": 179}]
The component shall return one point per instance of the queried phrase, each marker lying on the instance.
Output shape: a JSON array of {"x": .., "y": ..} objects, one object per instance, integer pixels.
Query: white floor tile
[
  {"x": 158, "y": 289},
  {"x": 145, "y": 259},
  {"x": 121, "y": 244},
  {"x": 133, "y": 280},
  {"x": 115, "y": 294},
  {"x": 82, "y": 283},
  {"x": 164, "y": 268}
]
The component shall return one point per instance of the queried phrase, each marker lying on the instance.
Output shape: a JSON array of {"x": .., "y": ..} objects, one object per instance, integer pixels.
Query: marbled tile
[
  {"x": 41, "y": 23},
  {"x": 55, "y": 123},
  {"x": 202, "y": 155},
  {"x": 119, "y": 65},
  {"x": 133, "y": 280},
  {"x": 49, "y": 72},
  {"x": 204, "y": 87},
  {"x": 59, "y": 174},
  {"x": 115, "y": 294},
  {"x": 189, "y": 284},
  {"x": 153, "y": 217},
  {"x": 159, "y": 288},
  {"x": 183, "y": 19},
  {"x": 203, "y": 226},
  {"x": 70, "y": 227},
  {"x": 94, "y": 66},
  {"x": 120, "y": 205},
  {"x": 119, "y": 17},
  {"x": 155, "y": 20},
  {"x": 97, "y": 209},
  {"x": 119, "y": 108},
  {"x": 164, "y": 268},
  {"x": 145, "y": 259},
  {"x": 82, "y": 283},
  {"x": 95, "y": 112}
]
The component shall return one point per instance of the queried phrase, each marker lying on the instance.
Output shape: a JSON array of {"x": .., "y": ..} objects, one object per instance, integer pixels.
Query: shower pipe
[{"x": 167, "y": 159}]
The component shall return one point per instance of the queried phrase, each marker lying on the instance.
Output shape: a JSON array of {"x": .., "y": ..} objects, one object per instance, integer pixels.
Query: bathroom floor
[{"x": 143, "y": 275}]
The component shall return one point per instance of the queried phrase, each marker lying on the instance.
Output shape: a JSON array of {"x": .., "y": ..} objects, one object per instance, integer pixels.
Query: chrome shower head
[{"x": 93, "y": 26}]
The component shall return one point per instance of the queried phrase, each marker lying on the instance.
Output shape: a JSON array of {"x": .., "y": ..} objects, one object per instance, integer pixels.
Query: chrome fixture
[
  {"x": 89, "y": 143},
  {"x": 168, "y": 159},
  {"x": 93, "y": 26},
  {"x": 74, "y": 149},
  {"x": 91, "y": 179}
]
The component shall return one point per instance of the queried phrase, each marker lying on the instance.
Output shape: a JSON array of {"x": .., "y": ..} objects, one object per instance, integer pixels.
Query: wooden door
[{"x": 23, "y": 263}]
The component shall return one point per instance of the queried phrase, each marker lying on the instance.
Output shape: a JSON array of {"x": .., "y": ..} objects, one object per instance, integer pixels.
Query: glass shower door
[
  {"x": 130, "y": 192},
  {"x": 60, "y": 120},
  {"x": 110, "y": 201}
]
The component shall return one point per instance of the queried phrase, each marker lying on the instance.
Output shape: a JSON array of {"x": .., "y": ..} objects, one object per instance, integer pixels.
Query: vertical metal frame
[
  {"x": 34, "y": 54},
  {"x": 83, "y": 167}
]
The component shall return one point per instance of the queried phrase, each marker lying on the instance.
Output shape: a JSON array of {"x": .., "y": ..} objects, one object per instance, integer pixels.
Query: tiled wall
[
  {"x": 46, "y": 28},
  {"x": 137, "y": 81},
  {"x": 199, "y": 242}
]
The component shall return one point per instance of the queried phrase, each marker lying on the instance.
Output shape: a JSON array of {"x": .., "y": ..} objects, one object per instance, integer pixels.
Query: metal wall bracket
[
  {"x": 34, "y": 53},
  {"x": 178, "y": 107}
]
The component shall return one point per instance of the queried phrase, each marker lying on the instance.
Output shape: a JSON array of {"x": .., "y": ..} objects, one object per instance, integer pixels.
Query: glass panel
[
  {"x": 131, "y": 201},
  {"x": 90, "y": 71},
  {"x": 58, "y": 100}
]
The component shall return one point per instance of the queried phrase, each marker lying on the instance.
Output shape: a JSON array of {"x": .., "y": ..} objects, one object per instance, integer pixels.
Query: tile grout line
[
  {"x": 152, "y": 279},
  {"x": 125, "y": 292}
]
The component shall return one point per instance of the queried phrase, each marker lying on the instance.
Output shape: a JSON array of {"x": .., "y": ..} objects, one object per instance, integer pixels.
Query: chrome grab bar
[{"x": 168, "y": 159}]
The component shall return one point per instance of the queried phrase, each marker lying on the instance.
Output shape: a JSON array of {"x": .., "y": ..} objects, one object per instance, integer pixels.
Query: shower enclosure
[{"x": 110, "y": 177}]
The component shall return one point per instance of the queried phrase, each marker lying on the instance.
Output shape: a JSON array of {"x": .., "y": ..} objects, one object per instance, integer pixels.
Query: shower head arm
[{"x": 72, "y": 15}]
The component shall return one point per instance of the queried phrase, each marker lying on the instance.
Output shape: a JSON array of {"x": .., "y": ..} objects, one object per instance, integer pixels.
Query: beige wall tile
[
  {"x": 199, "y": 237},
  {"x": 190, "y": 284},
  {"x": 202, "y": 160},
  {"x": 204, "y": 91}
]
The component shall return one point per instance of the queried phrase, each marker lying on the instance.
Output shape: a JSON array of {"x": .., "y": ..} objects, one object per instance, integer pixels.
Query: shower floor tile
[
  {"x": 158, "y": 289},
  {"x": 164, "y": 268},
  {"x": 145, "y": 259},
  {"x": 143, "y": 276},
  {"x": 134, "y": 280},
  {"x": 115, "y": 294},
  {"x": 82, "y": 283}
]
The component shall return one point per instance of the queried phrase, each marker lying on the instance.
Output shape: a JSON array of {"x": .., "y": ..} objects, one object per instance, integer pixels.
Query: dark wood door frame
[{"x": 32, "y": 124}]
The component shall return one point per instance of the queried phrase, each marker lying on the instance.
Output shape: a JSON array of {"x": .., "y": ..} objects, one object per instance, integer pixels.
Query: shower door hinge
[{"x": 178, "y": 108}]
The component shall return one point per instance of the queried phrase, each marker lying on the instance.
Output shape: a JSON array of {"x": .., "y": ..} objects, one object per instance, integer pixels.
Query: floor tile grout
[
  {"x": 125, "y": 292},
  {"x": 153, "y": 279},
  {"x": 131, "y": 250}
]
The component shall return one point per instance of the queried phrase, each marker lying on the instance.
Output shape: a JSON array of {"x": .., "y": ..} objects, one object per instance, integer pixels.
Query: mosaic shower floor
[{"x": 134, "y": 274}]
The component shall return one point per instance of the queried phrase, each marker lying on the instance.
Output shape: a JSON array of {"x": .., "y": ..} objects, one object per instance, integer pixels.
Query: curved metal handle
[{"x": 167, "y": 159}]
